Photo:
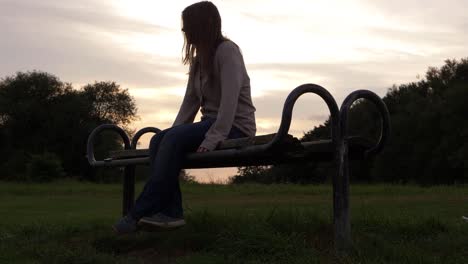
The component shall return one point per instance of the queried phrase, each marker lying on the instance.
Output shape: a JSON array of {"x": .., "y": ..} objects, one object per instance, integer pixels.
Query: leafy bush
[
  {"x": 44, "y": 167},
  {"x": 13, "y": 168}
]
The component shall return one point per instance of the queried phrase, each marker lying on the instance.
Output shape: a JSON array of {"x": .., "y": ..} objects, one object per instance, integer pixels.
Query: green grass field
[{"x": 70, "y": 222}]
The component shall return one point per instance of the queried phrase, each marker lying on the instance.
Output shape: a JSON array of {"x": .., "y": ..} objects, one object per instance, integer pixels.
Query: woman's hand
[{"x": 202, "y": 149}]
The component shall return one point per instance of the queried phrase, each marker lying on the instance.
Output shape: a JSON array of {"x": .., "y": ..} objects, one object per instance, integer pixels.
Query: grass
[{"x": 69, "y": 222}]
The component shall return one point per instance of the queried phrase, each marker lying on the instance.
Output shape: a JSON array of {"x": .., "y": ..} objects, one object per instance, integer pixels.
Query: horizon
[{"x": 363, "y": 44}]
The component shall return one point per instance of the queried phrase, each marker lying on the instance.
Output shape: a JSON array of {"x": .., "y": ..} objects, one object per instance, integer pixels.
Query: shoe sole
[{"x": 150, "y": 225}]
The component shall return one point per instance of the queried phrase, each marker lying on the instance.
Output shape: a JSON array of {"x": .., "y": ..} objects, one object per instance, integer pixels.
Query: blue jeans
[{"x": 168, "y": 150}]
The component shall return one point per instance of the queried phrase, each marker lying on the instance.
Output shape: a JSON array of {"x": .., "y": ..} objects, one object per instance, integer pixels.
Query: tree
[
  {"x": 430, "y": 140},
  {"x": 109, "y": 103},
  {"x": 251, "y": 174},
  {"x": 41, "y": 114}
]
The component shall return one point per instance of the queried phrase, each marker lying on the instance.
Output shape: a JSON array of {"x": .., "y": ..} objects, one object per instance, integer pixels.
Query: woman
[{"x": 218, "y": 84}]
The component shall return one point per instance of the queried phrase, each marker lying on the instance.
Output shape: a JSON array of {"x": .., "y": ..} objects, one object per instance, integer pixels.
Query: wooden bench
[{"x": 270, "y": 149}]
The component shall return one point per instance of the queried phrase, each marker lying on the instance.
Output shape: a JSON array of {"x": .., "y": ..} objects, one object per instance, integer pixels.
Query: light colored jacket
[{"x": 225, "y": 96}]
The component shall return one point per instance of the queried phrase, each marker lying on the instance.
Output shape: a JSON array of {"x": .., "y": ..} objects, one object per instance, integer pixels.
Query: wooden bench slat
[
  {"x": 320, "y": 150},
  {"x": 226, "y": 144}
]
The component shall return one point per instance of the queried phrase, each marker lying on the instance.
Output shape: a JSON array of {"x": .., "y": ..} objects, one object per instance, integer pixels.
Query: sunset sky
[{"x": 342, "y": 45}]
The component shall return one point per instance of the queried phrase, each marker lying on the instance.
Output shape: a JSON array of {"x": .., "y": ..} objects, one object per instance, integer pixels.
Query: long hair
[{"x": 201, "y": 24}]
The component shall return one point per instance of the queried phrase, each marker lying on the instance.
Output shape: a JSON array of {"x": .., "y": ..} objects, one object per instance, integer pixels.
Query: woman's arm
[
  {"x": 190, "y": 106},
  {"x": 231, "y": 73}
]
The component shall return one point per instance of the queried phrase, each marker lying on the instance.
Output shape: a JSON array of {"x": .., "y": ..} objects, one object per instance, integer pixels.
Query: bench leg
[
  {"x": 341, "y": 221},
  {"x": 128, "y": 189}
]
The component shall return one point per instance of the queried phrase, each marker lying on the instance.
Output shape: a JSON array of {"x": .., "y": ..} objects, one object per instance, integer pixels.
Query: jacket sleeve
[
  {"x": 190, "y": 106},
  {"x": 231, "y": 68}
]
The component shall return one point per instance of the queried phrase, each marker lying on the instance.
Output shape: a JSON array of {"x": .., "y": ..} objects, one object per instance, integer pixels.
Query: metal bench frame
[{"x": 339, "y": 144}]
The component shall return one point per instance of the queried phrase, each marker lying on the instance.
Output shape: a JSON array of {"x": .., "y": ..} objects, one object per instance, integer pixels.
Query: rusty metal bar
[
  {"x": 341, "y": 183},
  {"x": 129, "y": 178},
  {"x": 289, "y": 104},
  {"x": 92, "y": 137},
  {"x": 141, "y": 132},
  {"x": 92, "y": 160}
]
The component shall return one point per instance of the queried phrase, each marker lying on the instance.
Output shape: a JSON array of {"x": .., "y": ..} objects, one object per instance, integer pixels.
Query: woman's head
[{"x": 201, "y": 24}]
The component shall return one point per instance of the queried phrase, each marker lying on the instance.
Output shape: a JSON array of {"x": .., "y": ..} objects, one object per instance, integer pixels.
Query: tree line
[
  {"x": 45, "y": 123},
  {"x": 428, "y": 144}
]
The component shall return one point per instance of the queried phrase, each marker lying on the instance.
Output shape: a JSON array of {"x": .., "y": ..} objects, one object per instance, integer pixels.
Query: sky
[{"x": 342, "y": 45}]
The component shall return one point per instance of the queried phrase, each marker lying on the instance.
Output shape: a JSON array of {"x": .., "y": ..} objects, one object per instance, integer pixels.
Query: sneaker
[
  {"x": 125, "y": 225},
  {"x": 161, "y": 220}
]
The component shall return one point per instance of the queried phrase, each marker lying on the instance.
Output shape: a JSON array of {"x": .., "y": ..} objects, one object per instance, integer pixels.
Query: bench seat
[{"x": 248, "y": 152}]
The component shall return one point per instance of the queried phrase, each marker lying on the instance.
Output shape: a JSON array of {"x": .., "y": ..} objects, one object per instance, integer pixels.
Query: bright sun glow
[
  {"x": 301, "y": 31},
  {"x": 270, "y": 31}
]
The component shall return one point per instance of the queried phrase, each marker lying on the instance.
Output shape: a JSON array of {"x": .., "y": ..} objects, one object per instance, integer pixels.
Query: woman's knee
[
  {"x": 172, "y": 135},
  {"x": 157, "y": 138},
  {"x": 184, "y": 139},
  {"x": 176, "y": 138}
]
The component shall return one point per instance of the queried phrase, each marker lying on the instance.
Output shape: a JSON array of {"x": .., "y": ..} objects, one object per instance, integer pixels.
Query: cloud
[
  {"x": 98, "y": 14},
  {"x": 421, "y": 38},
  {"x": 430, "y": 11},
  {"x": 339, "y": 79},
  {"x": 72, "y": 41}
]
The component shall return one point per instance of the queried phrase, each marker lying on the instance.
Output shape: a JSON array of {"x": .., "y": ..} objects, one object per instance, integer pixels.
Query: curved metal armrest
[
  {"x": 289, "y": 105},
  {"x": 381, "y": 107},
  {"x": 90, "y": 146},
  {"x": 141, "y": 132}
]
